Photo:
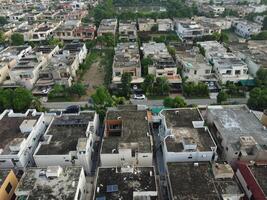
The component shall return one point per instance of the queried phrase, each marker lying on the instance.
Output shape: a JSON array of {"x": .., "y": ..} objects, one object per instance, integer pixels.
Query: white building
[
  {"x": 165, "y": 24},
  {"x": 8, "y": 59},
  {"x": 229, "y": 67},
  {"x": 53, "y": 182},
  {"x": 184, "y": 136},
  {"x": 78, "y": 49},
  {"x": 187, "y": 29},
  {"x": 163, "y": 63},
  {"x": 127, "y": 60},
  {"x": 239, "y": 133},
  {"x": 126, "y": 183},
  {"x": 195, "y": 67},
  {"x": 20, "y": 134},
  {"x": 246, "y": 29},
  {"x": 127, "y": 139},
  {"x": 68, "y": 141}
]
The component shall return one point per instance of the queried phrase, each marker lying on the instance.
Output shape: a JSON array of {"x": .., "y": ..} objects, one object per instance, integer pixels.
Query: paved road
[
  {"x": 150, "y": 103},
  {"x": 63, "y": 105},
  {"x": 190, "y": 101}
]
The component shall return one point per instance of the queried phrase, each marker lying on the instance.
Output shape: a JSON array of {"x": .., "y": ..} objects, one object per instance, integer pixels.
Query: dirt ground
[{"x": 93, "y": 78}]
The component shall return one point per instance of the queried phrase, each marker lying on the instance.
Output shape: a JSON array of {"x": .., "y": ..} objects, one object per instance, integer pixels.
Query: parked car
[
  {"x": 139, "y": 96},
  {"x": 72, "y": 109}
]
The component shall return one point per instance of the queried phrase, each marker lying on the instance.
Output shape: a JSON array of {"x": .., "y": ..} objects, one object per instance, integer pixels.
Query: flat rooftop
[
  {"x": 181, "y": 117},
  {"x": 198, "y": 182},
  {"x": 124, "y": 183},
  {"x": 134, "y": 129},
  {"x": 73, "y": 47},
  {"x": 260, "y": 173},
  {"x": 200, "y": 136},
  {"x": 43, "y": 188},
  {"x": 235, "y": 121},
  {"x": 66, "y": 131},
  {"x": 10, "y": 131}
]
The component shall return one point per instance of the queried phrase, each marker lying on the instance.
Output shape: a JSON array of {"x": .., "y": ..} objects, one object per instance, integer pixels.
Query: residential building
[
  {"x": 253, "y": 179},
  {"x": 126, "y": 183},
  {"x": 53, "y": 182},
  {"x": 85, "y": 32},
  {"x": 127, "y": 31},
  {"x": 9, "y": 57},
  {"x": 216, "y": 10},
  {"x": 68, "y": 141},
  {"x": 146, "y": 24},
  {"x": 107, "y": 26},
  {"x": 230, "y": 68},
  {"x": 163, "y": 63},
  {"x": 195, "y": 67},
  {"x": 66, "y": 30},
  {"x": 60, "y": 69},
  {"x": 127, "y": 59},
  {"x": 165, "y": 25},
  {"x": 238, "y": 133},
  {"x": 253, "y": 53},
  {"x": 8, "y": 184},
  {"x": 187, "y": 29},
  {"x": 184, "y": 136},
  {"x": 208, "y": 180},
  {"x": 246, "y": 29},
  {"x": 26, "y": 71},
  {"x": 76, "y": 48},
  {"x": 127, "y": 139},
  {"x": 212, "y": 48},
  {"x": 16, "y": 16},
  {"x": 20, "y": 133}
]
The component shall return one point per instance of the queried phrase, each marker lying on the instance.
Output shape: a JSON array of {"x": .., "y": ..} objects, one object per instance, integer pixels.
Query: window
[
  {"x": 8, "y": 188},
  {"x": 207, "y": 71},
  {"x": 195, "y": 72}
]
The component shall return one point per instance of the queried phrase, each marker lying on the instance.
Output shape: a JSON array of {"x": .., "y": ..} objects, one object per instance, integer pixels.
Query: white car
[
  {"x": 139, "y": 96},
  {"x": 46, "y": 90}
]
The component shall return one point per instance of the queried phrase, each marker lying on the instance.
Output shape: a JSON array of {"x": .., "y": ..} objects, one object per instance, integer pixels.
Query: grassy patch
[{"x": 89, "y": 60}]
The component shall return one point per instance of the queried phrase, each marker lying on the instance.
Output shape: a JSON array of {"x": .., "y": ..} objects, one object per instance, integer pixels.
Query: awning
[{"x": 248, "y": 82}]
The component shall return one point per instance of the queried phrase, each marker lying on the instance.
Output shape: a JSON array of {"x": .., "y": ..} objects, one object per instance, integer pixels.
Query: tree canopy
[
  {"x": 177, "y": 102},
  {"x": 101, "y": 101},
  {"x": 126, "y": 79},
  {"x": 17, "y": 39},
  {"x": 19, "y": 99}
]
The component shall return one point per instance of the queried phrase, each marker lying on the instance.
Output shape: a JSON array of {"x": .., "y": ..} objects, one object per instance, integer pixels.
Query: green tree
[
  {"x": 2, "y": 37},
  {"x": 264, "y": 27},
  {"x": 3, "y": 21},
  {"x": 55, "y": 42},
  {"x": 6, "y": 96},
  {"x": 17, "y": 39},
  {"x": 22, "y": 99},
  {"x": 101, "y": 101},
  {"x": 148, "y": 84},
  {"x": 104, "y": 10},
  {"x": 109, "y": 39},
  {"x": 57, "y": 91},
  {"x": 258, "y": 99},
  {"x": 261, "y": 77},
  {"x": 222, "y": 97},
  {"x": 161, "y": 86},
  {"x": 145, "y": 63},
  {"x": 171, "y": 50},
  {"x": 168, "y": 102},
  {"x": 195, "y": 90},
  {"x": 224, "y": 37},
  {"x": 260, "y": 36},
  {"x": 78, "y": 89},
  {"x": 176, "y": 102},
  {"x": 126, "y": 79}
]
